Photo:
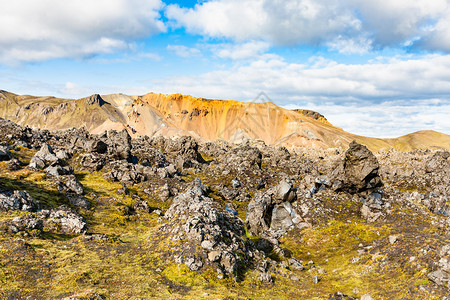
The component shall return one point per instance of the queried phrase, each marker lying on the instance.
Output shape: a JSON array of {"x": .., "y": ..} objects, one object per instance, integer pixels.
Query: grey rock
[
  {"x": 284, "y": 217},
  {"x": 141, "y": 205},
  {"x": 272, "y": 210},
  {"x": 439, "y": 277},
  {"x": 235, "y": 183},
  {"x": 37, "y": 163},
  {"x": 316, "y": 279},
  {"x": 62, "y": 219},
  {"x": 259, "y": 214},
  {"x": 91, "y": 161},
  {"x": 284, "y": 192},
  {"x": 119, "y": 145},
  {"x": 13, "y": 165},
  {"x": 55, "y": 171},
  {"x": 194, "y": 263},
  {"x": 165, "y": 192},
  {"x": 265, "y": 277},
  {"x": 71, "y": 184},
  {"x": 46, "y": 154},
  {"x": 209, "y": 227},
  {"x": 97, "y": 146},
  {"x": 28, "y": 222},
  {"x": 295, "y": 264},
  {"x": 4, "y": 153},
  {"x": 357, "y": 172},
  {"x": 79, "y": 201},
  {"x": 61, "y": 154},
  {"x": 17, "y": 200}
]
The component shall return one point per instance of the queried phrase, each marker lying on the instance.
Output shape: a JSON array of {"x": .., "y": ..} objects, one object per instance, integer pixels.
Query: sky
[{"x": 374, "y": 68}]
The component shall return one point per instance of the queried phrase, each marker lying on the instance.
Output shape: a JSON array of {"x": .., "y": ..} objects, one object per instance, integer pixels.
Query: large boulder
[
  {"x": 91, "y": 161},
  {"x": 358, "y": 171},
  {"x": 119, "y": 144},
  {"x": 97, "y": 146}
]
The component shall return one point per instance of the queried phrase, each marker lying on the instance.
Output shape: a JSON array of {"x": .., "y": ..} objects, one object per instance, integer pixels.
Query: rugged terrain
[
  {"x": 109, "y": 216},
  {"x": 209, "y": 120}
]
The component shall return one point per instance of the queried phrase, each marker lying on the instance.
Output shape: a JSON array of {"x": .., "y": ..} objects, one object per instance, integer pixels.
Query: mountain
[{"x": 177, "y": 115}]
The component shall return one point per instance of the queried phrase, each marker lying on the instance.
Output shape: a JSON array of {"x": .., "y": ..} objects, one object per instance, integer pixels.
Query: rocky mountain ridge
[{"x": 208, "y": 120}]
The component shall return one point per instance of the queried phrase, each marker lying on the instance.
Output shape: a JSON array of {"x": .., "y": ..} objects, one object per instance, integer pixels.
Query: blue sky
[{"x": 376, "y": 68}]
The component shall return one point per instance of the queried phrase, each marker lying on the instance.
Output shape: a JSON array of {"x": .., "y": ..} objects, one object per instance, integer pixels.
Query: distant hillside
[{"x": 176, "y": 115}]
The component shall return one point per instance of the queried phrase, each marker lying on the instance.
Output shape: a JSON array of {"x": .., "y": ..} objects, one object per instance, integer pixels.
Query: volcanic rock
[
  {"x": 272, "y": 210},
  {"x": 4, "y": 153},
  {"x": 17, "y": 200},
  {"x": 358, "y": 171},
  {"x": 64, "y": 220},
  {"x": 220, "y": 233}
]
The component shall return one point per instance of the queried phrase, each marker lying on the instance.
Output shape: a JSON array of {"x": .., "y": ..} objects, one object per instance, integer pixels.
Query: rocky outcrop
[
  {"x": 442, "y": 275},
  {"x": 44, "y": 157},
  {"x": 129, "y": 173},
  {"x": 243, "y": 157},
  {"x": 186, "y": 151},
  {"x": 272, "y": 210},
  {"x": 63, "y": 220},
  {"x": 219, "y": 234},
  {"x": 119, "y": 144},
  {"x": 17, "y": 200},
  {"x": 95, "y": 99}
]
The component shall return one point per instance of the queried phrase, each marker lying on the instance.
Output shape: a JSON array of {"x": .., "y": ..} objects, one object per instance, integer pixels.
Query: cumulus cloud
[
  {"x": 358, "y": 24},
  {"x": 41, "y": 30},
  {"x": 280, "y": 21},
  {"x": 404, "y": 83}
]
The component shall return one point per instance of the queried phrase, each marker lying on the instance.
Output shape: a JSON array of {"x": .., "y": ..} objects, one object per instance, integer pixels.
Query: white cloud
[
  {"x": 279, "y": 21},
  {"x": 151, "y": 56},
  {"x": 184, "y": 51},
  {"x": 351, "y": 46},
  {"x": 40, "y": 30},
  {"x": 74, "y": 90},
  {"x": 404, "y": 84},
  {"x": 387, "y": 119},
  {"x": 359, "y": 24},
  {"x": 248, "y": 50}
]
